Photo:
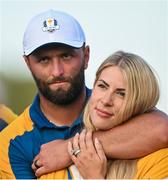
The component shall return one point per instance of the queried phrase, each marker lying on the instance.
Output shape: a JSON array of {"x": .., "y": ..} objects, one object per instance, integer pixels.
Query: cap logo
[{"x": 50, "y": 25}]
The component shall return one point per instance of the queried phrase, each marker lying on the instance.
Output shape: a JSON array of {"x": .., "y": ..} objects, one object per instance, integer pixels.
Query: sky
[{"x": 140, "y": 27}]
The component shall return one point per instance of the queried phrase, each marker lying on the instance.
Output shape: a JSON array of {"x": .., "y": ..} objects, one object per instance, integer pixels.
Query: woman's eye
[
  {"x": 102, "y": 86},
  {"x": 122, "y": 94}
]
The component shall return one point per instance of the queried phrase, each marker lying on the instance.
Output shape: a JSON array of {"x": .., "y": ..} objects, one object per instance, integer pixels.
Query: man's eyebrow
[
  {"x": 39, "y": 56},
  {"x": 69, "y": 50}
]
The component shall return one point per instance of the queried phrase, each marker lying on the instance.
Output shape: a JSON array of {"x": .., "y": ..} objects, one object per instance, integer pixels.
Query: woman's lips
[{"x": 103, "y": 113}]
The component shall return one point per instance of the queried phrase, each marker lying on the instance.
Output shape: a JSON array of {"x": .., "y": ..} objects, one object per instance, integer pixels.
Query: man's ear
[
  {"x": 86, "y": 56},
  {"x": 27, "y": 61}
]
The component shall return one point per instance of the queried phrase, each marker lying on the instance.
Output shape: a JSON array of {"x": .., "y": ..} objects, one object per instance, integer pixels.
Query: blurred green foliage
[{"x": 20, "y": 93}]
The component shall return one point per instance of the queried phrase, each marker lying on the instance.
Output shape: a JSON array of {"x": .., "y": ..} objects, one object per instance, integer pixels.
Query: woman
[{"x": 125, "y": 86}]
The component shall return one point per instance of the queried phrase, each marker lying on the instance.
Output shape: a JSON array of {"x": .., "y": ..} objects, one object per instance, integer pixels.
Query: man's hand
[{"x": 53, "y": 156}]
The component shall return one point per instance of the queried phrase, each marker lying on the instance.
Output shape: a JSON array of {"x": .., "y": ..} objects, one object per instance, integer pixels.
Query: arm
[
  {"x": 14, "y": 163},
  {"x": 138, "y": 137}
]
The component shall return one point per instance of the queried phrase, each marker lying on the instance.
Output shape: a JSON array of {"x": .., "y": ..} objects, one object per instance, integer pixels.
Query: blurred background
[{"x": 139, "y": 27}]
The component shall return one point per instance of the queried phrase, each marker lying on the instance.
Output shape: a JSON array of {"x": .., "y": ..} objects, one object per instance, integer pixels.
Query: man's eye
[
  {"x": 43, "y": 60},
  {"x": 66, "y": 56}
]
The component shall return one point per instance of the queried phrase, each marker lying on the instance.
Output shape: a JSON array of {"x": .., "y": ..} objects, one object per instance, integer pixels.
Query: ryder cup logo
[{"x": 50, "y": 25}]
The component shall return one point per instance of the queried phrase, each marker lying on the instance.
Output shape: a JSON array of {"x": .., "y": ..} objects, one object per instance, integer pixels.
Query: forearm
[{"x": 137, "y": 137}]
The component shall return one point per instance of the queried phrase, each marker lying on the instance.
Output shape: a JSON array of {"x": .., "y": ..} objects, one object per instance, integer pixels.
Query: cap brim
[{"x": 75, "y": 44}]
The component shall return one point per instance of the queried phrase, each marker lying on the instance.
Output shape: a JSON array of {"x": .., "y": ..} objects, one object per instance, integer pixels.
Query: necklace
[
  {"x": 47, "y": 118},
  {"x": 54, "y": 123}
]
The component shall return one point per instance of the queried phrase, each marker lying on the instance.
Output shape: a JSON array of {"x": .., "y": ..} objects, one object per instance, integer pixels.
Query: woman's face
[{"x": 107, "y": 98}]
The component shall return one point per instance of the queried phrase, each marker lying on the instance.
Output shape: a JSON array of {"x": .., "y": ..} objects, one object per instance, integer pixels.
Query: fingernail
[
  {"x": 77, "y": 134},
  {"x": 96, "y": 140}
]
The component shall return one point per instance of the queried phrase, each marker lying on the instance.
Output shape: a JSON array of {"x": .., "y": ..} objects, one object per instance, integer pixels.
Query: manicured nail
[
  {"x": 77, "y": 134},
  {"x": 97, "y": 141}
]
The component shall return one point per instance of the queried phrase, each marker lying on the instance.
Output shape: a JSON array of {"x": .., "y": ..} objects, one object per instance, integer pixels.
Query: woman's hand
[{"x": 88, "y": 156}]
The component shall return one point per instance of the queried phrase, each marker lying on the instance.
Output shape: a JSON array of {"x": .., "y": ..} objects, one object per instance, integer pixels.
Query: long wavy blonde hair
[{"x": 142, "y": 95}]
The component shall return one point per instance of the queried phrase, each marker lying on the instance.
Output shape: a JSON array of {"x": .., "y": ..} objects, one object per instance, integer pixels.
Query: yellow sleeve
[
  {"x": 7, "y": 114},
  {"x": 61, "y": 174},
  {"x": 16, "y": 128},
  {"x": 153, "y": 166}
]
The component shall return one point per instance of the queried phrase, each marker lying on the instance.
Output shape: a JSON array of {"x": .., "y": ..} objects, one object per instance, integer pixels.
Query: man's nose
[{"x": 57, "y": 68}]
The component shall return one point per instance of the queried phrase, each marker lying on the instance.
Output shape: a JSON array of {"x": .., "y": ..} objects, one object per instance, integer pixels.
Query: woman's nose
[{"x": 107, "y": 99}]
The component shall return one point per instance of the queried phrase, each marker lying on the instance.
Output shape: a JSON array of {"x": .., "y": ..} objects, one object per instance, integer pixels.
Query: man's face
[{"x": 59, "y": 72}]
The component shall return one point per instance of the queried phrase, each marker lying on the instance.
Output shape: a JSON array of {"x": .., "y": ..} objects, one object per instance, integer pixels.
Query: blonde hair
[{"x": 142, "y": 95}]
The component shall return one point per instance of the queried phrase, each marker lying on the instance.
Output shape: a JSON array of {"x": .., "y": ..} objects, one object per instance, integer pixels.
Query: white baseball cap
[{"x": 52, "y": 27}]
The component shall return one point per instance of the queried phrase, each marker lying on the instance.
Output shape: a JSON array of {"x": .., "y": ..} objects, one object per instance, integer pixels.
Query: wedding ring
[
  {"x": 36, "y": 165},
  {"x": 75, "y": 152}
]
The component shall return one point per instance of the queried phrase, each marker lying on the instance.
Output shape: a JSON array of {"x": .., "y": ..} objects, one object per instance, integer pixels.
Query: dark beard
[{"x": 60, "y": 96}]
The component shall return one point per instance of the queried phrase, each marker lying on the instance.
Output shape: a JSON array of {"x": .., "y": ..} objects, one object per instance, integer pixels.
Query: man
[{"x": 55, "y": 53}]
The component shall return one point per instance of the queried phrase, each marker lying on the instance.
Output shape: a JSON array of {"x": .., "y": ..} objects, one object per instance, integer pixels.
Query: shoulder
[
  {"x": 154, "y": 165},
  {"x": 21, "y": 124},
  {"x": 155, "y": 156},
  {"x": 14, "y": 143}
]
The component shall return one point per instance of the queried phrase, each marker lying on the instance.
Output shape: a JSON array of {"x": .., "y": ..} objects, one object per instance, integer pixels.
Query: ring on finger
[
  {"x": 75, "y": 152},
  {"x": 36, "y": 165}
]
